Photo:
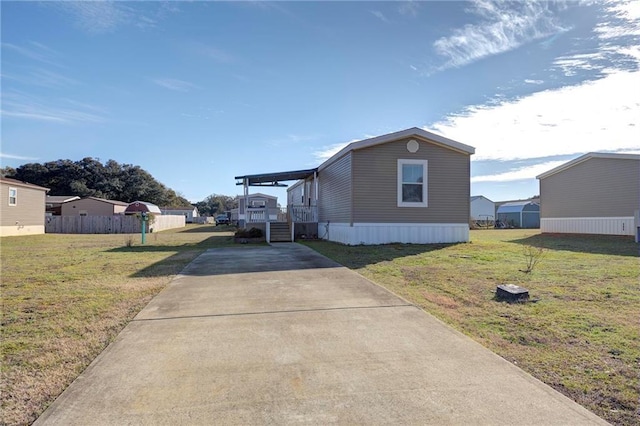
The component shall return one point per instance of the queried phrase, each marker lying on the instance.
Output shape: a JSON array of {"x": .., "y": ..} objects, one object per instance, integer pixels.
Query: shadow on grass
[
  {"x": 356, "y": 257},
  {"x": 208, "y": 228},
  {"x": 614, "y": 245},
  {"x": 211, "y": 242}
]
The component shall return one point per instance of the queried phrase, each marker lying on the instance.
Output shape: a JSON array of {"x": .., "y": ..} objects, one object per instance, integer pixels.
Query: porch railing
[{"x": 307, "y": 214}]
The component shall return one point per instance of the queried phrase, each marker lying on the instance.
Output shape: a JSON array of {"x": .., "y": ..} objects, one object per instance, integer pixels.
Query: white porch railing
[
  {"x": 262, "y": 215},
  {"x": 307, "y": 214}
]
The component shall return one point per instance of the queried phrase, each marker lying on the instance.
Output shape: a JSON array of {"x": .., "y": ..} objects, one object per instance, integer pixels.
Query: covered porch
[{"x": 297, "y": 217}]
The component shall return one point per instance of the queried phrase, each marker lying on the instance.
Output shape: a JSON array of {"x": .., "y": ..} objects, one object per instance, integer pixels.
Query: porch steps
[{"x": 280, "y": 232}]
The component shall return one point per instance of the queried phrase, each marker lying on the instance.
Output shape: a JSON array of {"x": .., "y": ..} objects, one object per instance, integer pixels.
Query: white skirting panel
[
  {"x": 13, "y": 230},
  {"x": 385, "y": 233},
  {"x": 589, "y": 225}
]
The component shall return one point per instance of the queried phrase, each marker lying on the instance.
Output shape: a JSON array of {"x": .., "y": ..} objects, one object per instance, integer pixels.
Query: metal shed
[{"x": 519, "y": 214}]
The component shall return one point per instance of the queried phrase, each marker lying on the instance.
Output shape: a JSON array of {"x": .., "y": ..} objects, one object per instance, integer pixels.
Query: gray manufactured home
[
  {"x": 22, "y": 208},
  {"x": 410, "y": 186},
  {"x": 597, "y": 193}
]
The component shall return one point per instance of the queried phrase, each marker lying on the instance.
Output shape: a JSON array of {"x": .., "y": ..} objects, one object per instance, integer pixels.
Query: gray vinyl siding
[
  {"x": 334, "y": 191},
  {"x": 597, "y": 187},
  {"x": 29, "y": 209},
  {"x": 375, "y": 171}
]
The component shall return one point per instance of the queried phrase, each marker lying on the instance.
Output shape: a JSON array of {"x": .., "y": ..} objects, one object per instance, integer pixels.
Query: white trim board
[
  {"x": 386, "y": 233},
  {"x": 622, "y": 225}
]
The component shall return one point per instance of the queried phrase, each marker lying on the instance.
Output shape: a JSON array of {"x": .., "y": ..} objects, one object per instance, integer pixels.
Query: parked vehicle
[{"x": 222, "y": 219}]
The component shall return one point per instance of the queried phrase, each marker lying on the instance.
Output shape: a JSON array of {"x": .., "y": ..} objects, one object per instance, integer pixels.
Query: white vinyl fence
[{"x": 117, "y": 224}]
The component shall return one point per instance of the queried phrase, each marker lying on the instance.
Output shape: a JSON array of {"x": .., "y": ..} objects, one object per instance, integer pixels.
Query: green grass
[
  {"x": 65, "y": 297},
  {"x": 581, "y": 335}
]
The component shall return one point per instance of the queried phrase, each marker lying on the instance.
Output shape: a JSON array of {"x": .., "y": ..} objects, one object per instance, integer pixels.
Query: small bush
[{"x": 251, "y": 233}]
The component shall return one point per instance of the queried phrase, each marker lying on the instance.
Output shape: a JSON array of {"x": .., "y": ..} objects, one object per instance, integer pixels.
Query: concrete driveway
[{"x": 282, "y": 335}]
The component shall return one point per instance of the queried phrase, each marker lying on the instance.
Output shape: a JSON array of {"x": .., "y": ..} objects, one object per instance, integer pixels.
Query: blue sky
[{"x": 199, "y": 92}]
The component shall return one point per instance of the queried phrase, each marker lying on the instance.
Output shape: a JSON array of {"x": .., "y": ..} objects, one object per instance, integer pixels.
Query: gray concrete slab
[{"x": 282, "y": 335}]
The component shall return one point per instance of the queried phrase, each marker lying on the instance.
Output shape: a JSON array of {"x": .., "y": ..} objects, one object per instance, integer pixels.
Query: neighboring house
[
  {"x": 597, "y": 193},
  {"x": 22, "y": 208},
  {"x": 53, "y": 203},
  {"x": 519, "y": 214},
  {"x": 189, "y": 213},
  {"x": 93, "y": 206},
  {"x": 142, "y": 207},
  {"x": 410, "y": 186},
  {"x": 261, "y": 208},
  {"x": 483, "y": 210}
]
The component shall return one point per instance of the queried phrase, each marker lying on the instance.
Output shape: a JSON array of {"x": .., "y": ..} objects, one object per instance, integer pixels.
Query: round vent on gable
[{"x": 412, "y": 146}]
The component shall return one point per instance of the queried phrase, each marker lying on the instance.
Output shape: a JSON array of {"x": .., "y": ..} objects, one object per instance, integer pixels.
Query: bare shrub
[{"x": 533, "y": 256}]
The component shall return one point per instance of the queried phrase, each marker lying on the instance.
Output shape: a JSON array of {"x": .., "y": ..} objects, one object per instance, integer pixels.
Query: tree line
[{"x": 112, "y": 181}]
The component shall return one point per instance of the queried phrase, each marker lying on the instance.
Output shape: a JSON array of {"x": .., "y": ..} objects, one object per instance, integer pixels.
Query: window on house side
[
  {"x": 13, "y": 196},
  {"x": 412, "y": 183}
]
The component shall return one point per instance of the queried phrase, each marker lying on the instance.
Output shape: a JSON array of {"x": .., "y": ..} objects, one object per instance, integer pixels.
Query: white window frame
[
  {"x": 424, "y": 202},
  {"x": 258, "y": 203},
  {"x": 14, "y": 197}
]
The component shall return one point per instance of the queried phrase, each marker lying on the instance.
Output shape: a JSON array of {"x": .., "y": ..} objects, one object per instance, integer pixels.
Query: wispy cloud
[
  {"x": 174, "y": 84},
  {"x": 16, "y": 105},
  {"x": 329, "y": 151},
  {"x": 16, "y": 157},
  {"x": 379, "y": 15},
  {"x": 518, "y": 173},
  {"x": 553, "y": 122},
  {"x": 529, "y": 81},
  {"x": 34, "y": 50},
  {"x": 618, "y": 30},
  {"x": 503, "y": 26},
  {"x": 97, "y": 17},
  {"x": 410, "y": 8},
  {"x": 211, "y": 52},
  {"x": 44, "y": 78}
]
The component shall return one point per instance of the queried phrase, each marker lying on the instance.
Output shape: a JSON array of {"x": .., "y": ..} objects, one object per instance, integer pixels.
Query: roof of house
[
  {"x": 260, "y": 194},
  {"x": 390, "y": 137},
  {"x": 104, "y": 200},
  {"x": 190, "y": 208},
  {"x": 61, "y": 198},
  {"x": 477, "y": 197},
  {"x": 16, "y": 182},
  {"x": 586, "y": 157},
  {"x": 515, "y": 207},
  {"x": 151, "y": 208},
  {"x": 275, "y": 179}
]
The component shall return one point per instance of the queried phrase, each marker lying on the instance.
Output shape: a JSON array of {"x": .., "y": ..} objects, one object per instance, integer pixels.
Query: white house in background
[
  {"x": 256, "y": 208},
  {"x": 188, "y": 212},
  {"x": 482, "y": 209},
  {"x": 597, "y": 193}
]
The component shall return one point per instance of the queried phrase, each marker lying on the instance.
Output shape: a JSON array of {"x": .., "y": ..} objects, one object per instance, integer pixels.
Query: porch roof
[{"x": 274, "y": 179}]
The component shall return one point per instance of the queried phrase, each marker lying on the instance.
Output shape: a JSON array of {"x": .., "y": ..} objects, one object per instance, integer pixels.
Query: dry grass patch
[
  {"x": 581, "y": 336},
  {"x": 65, "y": 297}
]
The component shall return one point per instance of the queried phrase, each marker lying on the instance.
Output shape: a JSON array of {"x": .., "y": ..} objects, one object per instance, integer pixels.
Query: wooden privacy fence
[{"x": 117, "y": 224}]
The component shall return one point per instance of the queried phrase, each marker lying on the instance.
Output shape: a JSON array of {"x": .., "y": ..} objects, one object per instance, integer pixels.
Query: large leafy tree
[
  {"x": 216, "y": 204},
  {"x": 89, "y": 177}
]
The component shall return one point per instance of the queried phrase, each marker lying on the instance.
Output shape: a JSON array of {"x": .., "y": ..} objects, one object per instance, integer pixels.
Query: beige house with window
[
  {"x": 410, "y": 186},
  {"x": 93, "y": 206},
  {"x": 22, "y": 208}
]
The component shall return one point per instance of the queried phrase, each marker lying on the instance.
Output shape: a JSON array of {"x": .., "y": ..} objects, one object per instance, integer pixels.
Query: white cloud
[
  {"x": 329, "y": 151},
  {"x": 34, "y": 50},
  {"x": 521, "y": 173},
  {"x": 379, "y": 15},
  {"x": 174, "y": 84},
  {"x": 504, "y": 26},
  {"x": 625, "y": 20},
  {"x": 96, "y": 16},
  {"x": 16, "y": 157},
  {"x": 409, "y": 8},
  {"x": 529, "y": 81},
  {"x": 600, "y": 115},
  {"x": 26, "y": 107}
]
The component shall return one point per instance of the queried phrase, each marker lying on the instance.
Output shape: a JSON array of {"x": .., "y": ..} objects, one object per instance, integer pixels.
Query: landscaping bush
[{"x": 250, "y": 233}]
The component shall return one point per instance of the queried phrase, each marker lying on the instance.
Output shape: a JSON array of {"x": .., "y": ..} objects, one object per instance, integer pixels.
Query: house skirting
[
  {"x": 13, "y": 230},
  {"x": 589, "y": 225},
  {"x": 385, "y": 233}
]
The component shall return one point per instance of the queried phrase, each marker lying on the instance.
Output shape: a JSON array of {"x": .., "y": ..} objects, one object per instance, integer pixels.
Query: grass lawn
[
  {"x": 581, "y": 335},
  {"x": 65, "y": 297}
]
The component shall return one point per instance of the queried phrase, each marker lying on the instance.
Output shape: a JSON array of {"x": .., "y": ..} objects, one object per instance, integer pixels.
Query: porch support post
[
  {"x": 314, "y": 214},
  {"x": 246, "y": 200}
]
